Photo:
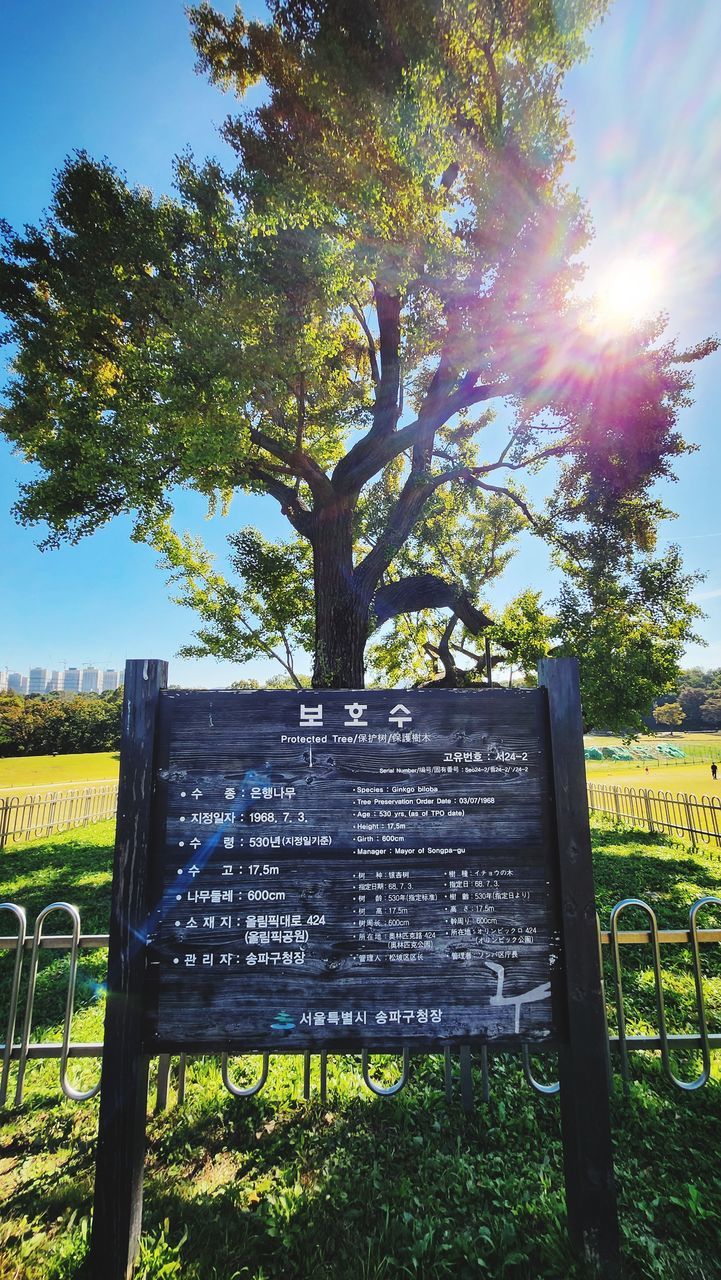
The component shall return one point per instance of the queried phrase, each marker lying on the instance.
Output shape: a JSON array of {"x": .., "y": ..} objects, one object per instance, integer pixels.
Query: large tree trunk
[{"x": 341, "y": 611}]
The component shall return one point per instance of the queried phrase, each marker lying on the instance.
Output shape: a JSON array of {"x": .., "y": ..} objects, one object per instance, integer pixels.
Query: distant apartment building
[
  {"x": 72, "y": 680},
  {"x": 38, "y": 681},
  {"x": 90, "y": 680}
]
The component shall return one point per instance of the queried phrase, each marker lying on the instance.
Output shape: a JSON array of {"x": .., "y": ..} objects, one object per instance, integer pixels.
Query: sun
[{"x": 627, "y": 292}]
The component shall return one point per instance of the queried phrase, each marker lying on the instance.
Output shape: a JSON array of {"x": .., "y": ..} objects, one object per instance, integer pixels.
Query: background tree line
[
  {"x": 696, "y": 704},
  {"x": 45, "y": 724},
  {"x": 522, "y": 633}
]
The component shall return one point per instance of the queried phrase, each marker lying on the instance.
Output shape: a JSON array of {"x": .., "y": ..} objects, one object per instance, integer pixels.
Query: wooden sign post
[
  {"x": 124, "y": 1081},
  {"x": 583, "y": 1052},
  {"x": 344, "y": 870}
]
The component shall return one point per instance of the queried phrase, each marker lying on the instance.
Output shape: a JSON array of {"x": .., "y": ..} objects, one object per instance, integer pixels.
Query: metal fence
[
  {"x": 679, "y": 814},
  {"x": 40, "y": 813},
  {"x": 23, "y": 985}
]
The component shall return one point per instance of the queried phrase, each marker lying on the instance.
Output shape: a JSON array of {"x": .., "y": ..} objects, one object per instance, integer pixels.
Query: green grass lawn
[
  {"x": 691, "y": 776},
  {"x": 27, "y": 773},
  {"x": 694, "y": 779},
  {"x": 359, "y": 1188}
]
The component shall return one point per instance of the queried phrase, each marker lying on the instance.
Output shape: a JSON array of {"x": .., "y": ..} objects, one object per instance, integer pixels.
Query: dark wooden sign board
[{"x": 346, "y": 870}]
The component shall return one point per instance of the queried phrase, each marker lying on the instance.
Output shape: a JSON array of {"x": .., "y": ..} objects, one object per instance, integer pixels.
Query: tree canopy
[
  {"x": 334, "y": 319},
  {"x": 628, "y": 616},
  {"x": 669, "y": 714},
  {"x": 50, "y": 723},
  {"x": 711, "y": 709},
  {"x": 700, "y": 678}
]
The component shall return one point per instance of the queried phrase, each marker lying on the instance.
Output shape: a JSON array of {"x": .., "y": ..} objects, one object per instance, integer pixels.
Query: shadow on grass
[
  {"x": 75, "y": 867},
  {"x": 631, "y": 864},
  {"x": 350, "y": 1188},
  {"x": 411, "y": 1186},
  {"x": 394, "y": 1189},
  {"x": 669, "y": 878},
  {"x": 361, "y": 1188}
]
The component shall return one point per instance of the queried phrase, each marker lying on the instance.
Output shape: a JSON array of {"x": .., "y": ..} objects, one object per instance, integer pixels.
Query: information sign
[
  {"x": 336, "y": 870},
  {"x": 352, "y": 870}
]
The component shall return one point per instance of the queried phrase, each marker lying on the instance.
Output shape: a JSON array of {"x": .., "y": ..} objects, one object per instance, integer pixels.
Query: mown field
[
  {"x": 691, "y": 777},
  {"x": 275, "y": 1188},
  {"x": 699, "y": 748},
  {"x": 29, "y": 773},
  {"x": 694, "y": 779}
]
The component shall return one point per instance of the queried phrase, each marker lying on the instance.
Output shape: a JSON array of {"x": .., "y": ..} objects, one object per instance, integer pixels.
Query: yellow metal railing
[
  {"x": 695, "y": 817},
  {"x": 40, "y": 813},
  {"x": 21, "y": 1048}
]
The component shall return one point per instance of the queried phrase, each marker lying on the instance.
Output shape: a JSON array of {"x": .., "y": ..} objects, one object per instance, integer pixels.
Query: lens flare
[{"x": 628, "y": 292}]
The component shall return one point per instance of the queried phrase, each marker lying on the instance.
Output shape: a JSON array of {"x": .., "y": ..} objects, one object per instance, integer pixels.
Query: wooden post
[
  {"x": 585, "y": 1110},
  {"x": 124, "y": 1087}
]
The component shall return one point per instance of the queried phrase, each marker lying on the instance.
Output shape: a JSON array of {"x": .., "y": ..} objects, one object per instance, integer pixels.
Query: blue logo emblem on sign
[{"x": 283, "y": 1022}]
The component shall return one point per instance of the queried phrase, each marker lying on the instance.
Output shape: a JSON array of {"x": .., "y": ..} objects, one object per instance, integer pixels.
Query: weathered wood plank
[
  {"x": 123, "y": 1097},
  {"x": 585, "y": 1114},
  {"x": 380, "y": 874}
]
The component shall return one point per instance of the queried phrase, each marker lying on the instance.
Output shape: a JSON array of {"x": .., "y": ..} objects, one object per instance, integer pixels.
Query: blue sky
[{"x": 117, "y": 80}]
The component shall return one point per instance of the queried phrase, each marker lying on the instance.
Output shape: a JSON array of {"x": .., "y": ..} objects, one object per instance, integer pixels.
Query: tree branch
[
  {"x": 478, "y": 658},
  {"x": 553, "y": 451},
  {"x": 408, "y": 507},
  {"x": 372, "y": 453},
  {"x": 290, "y": 504},
  {"x": 300, "y": 423},
  {"x": 418, "y": 488},
  {"x": 538, "y": 525},
  {"x": 468, "y": 395},
  {"x": 450, "y": 174},
  {"x": 469, "y": 474},
  {"x": 426, "y": 591},
  {"x": 299, "y": 462},
  {"x": 444, "y": 651},
  {"x": 496, "y": 82},
  {"x": 372, "y": 353},
  {"x": 386, "y": 408}
]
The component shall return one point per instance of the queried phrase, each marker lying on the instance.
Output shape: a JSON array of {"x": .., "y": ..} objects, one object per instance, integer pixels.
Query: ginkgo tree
[
  {"x": 264, "y": 611},
  {"x": 626, "y": 612},
  {"x": 333, "y": 319},
  {"x": 471, "y": 542}
]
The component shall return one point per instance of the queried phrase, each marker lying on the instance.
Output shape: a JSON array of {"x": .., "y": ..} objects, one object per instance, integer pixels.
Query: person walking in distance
[{"x": 714, "y": 769}]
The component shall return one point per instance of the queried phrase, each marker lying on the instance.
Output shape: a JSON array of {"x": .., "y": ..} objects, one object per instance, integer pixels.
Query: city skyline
[{"x": 38, "y": 680}]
